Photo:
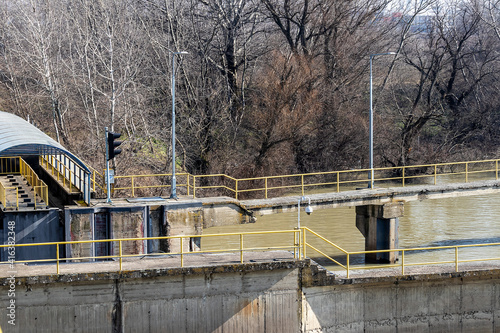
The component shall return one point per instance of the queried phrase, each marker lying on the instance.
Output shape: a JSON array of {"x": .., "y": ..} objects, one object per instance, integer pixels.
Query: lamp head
[{"x": 309, "y": 210}]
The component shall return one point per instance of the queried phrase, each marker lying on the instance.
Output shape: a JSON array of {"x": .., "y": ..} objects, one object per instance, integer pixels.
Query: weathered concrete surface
[
  {"x": 379, "y": 224},
  {"x": 377, "y": 196},
  {"x": 232, "y": 298},
  {"x": 273, "y": 296},
  {"x": 451, "y": 302}
]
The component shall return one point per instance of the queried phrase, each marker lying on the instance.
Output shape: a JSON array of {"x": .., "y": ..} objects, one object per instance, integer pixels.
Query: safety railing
[
  {"x": 3, "y": 197},
  {"x": 455, "y": 260},
  {"x": 39, "y": 187},
  {"x": 297, "y": 241},
  {"x": 182, "y": 242},
  {"x": 70, "y": 174},
  {"x": 16, "y": 165},
  {"x": 337, "y": 181},
  {"x": 152, "y": 184},
  {"x": 9, "y": 165},
  {"x": 58, "y": 167}
]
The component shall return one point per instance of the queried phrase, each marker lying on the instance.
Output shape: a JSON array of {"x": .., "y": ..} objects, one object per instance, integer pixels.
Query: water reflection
[{"x": 443, "y": 222}]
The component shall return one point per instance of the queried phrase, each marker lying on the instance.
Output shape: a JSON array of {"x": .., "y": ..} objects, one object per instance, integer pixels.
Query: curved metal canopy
[{"x": 18, "y": 137}]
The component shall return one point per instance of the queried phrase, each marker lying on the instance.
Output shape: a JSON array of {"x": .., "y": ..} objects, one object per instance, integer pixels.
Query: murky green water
[{"x": 452, "y": 221}]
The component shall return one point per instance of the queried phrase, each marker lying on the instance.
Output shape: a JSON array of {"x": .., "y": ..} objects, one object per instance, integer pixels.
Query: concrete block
[{"x": 392, "y": 210}]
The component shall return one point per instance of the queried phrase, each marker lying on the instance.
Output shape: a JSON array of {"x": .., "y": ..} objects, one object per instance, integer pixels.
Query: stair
[{"x": 26, "y": 196}]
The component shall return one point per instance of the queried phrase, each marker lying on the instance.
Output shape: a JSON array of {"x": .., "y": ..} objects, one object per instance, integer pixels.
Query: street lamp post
[
  {"x": 370, "y": 185},
  {"x": 173, "y": 194}
]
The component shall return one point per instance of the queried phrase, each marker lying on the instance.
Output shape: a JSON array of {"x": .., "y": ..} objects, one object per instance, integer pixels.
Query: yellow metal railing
[
  {"x": 265, "y": 187},
  {"x": 134, "y": 183},
  {"x": 16, "y": 165},
  {"x": 3, "y": 196},
  {"x": 296, "y": 243},
  {"x": 61, "y": 172},
  {"x": 38, "y": 185},
  {"x": 403, "y": 264},
  {"x": 182, "y": 240}
]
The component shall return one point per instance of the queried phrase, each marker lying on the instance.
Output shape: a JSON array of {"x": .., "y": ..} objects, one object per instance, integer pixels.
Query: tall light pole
[
  {"x": 370, "y": 184},
  {"x": 173, "y": 194}
]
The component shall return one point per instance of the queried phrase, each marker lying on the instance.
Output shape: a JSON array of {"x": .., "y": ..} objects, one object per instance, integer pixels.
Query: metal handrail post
[
  {"x": 121, "y": 253},
  {"x": 241, "y": 248},
  {"x": 302, "y": 183},
  {"x": 57, "y": 258},
  {"x": 403, "y": 177},
  {"x": 133, "y": 189},
  {"x": 182, "y": 252},
  {"x": 466, "y": 172},
  {"x": 403, "y": 262}
]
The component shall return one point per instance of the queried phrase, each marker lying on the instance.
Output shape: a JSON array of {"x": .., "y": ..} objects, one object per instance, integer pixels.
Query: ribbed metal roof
[{"x": 18, "y": 137}]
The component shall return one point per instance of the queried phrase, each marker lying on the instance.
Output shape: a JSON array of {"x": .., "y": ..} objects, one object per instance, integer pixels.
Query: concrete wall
[
  {"x": 239, "y": 298},
  {"x": 466, "y": 302},
  {"x": 267, "y": 297}
]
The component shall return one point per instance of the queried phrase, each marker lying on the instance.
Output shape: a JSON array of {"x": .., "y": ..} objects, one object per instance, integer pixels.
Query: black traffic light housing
[{"x": 112, "y": 144}]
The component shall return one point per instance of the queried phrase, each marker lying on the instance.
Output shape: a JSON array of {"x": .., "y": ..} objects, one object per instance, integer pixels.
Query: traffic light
[{"x": 112, "y": 144}]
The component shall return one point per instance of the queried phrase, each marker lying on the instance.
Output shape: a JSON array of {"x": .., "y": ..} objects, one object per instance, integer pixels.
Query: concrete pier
[{"x": 379, "y": 224}]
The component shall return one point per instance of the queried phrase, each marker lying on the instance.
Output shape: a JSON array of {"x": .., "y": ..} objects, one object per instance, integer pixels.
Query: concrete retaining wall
[
  {"x": 286, "y": 296},
  {"x": 465, "y": 303}
]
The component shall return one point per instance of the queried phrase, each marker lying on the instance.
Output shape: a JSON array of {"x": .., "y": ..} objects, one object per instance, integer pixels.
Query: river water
[{"x": 427, "y": 223}]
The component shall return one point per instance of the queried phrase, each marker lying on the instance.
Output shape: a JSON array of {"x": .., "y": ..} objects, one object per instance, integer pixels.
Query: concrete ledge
[{"x": 374, "y": 196}]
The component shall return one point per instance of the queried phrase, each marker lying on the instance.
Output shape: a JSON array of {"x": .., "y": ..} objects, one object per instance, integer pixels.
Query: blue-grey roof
[{"x": 18, "y": 137}]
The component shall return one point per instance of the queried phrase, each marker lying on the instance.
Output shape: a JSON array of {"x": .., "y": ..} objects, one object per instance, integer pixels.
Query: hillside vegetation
[{"x": 268, "y": 87}]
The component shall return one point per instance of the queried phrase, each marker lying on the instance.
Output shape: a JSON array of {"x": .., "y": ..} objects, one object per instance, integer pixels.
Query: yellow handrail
[
  {"x": 221, "y": 184},
  {"x": 297, "y": 244},
  {"x": 404, "y": 262},
  {"x": 38, "y": 185}
]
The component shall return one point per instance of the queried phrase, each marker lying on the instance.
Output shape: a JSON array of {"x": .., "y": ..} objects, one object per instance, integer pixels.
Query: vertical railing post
[
  {"x": 121, "y": 254},
  {"x": 188, "y": 187},
  {"x": 265, "y": 185},
  {"x": 133, "y": 189},
  {"x": 295, "y": 244},
  {"x": 302, "y": 183},
  {"x": 194, "y": 187},
  {"x": 57, "y": 257},
  {"x": 303, "y": 243},
  {"x": 338, "y": 182},
  {"x": 466, "y": 172},
  {"x": 182, "y": 252},
  {"x": 403, "y": 262},
  {"x": 403, "y": 176},
  {"x": 241, "y": 248},
  {"x": 236, "y": 189},
  {"x": 496, "y": 169},
  {"x": 347, "y": 265},
  {"x": 456, "y": 258},
  {"x": 435, "y": 174}
]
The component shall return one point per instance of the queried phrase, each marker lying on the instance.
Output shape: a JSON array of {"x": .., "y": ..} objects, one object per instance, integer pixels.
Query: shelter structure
[{"x": 20, "y": 138}]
